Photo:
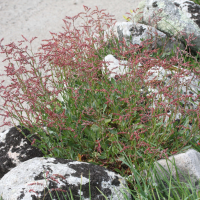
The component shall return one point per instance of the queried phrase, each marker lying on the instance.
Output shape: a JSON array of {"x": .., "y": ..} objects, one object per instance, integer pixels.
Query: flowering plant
[{"x": 87, "y": 114}]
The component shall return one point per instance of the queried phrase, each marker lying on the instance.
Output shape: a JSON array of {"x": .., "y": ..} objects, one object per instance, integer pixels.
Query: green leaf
[
  {"x": 102, "y": 156},
  {"x": 114, "y": 150},
  {"x": 139, "y": 126},
  {"x": 159, "y": 124},
  {"x": 186, "y": 121},
  {"x": 185, "y": 148},
  {"x": 104, "y": 107},
  {"x": 95, "y": 128},
  {"x": 107, "y": 121},
  {"x": 113, "y": 131},
  {"x": 117, "y": 170},
  {"x": 198, "y": 194},
  {"x": 113, "y": 81},
  {"x": 42, "y": 147}
]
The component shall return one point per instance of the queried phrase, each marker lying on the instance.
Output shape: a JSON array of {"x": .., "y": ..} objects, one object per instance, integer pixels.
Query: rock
[
  {"x": 115, "y": 67},
  {"x": 177, "y": 16},
  {"x": 134, "y": 33},
  {"x": 188, "y": 162},
  {"x": 188, "y": 165},
  {"x": 15, "y": 148},
  {"x": 178, "y": 19},
  {"x": 118, "y": 68},
  {"x": 27, "y": 180}
]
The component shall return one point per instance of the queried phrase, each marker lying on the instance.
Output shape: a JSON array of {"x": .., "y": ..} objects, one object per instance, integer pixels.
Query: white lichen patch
[{"x": 3, "y": 135}]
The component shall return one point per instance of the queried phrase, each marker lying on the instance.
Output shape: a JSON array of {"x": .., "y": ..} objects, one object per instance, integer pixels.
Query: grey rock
[
  {"x": 188, "y": 163},
  {"x": 27, "y": 180},
  {"x": 177, "y": 16},
  {"x": 15, "y": 148},
  {"x": 187, "y": 169},
  {"x": 134, "y": 33},
  {"x": 114, "y": 67}
]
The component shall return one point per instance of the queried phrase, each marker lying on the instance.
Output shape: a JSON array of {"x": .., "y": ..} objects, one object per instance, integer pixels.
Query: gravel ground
[{"x": 35, "y": 18}]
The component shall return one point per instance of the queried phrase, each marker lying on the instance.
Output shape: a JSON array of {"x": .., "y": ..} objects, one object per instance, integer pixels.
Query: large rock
[
  {"x": 188, "y": 168},
  {"x": 176, "y": 16},
  {"x": 15, "y": 148},
  {"x": 134, "y": 33},
  {"x": 27, "y": 180},
  {"x": 178, "y": 19}
]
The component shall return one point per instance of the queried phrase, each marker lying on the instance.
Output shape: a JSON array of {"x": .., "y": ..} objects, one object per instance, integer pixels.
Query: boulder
[
  {"x": 34, "y": 177},
  {"x": 133, "y": 33},
  {"x": 187, "y": 168},
  {"x": 15, "y": 148},
  {"x": 188, "y": 163},
  {"x": 114, "y": 67},
  {"x": 176, "y": 16}
]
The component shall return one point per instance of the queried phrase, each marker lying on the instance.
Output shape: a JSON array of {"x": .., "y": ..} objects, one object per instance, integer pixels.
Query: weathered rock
[
  {"x": 27, "y": 180},
  {"x": 114, "y": 67},
  {"x": 176, "y": 16},
  {"x": 15, "y": 148},
  {"x": 134, "y": 33},
  {"x": 188, "y": 168}
]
